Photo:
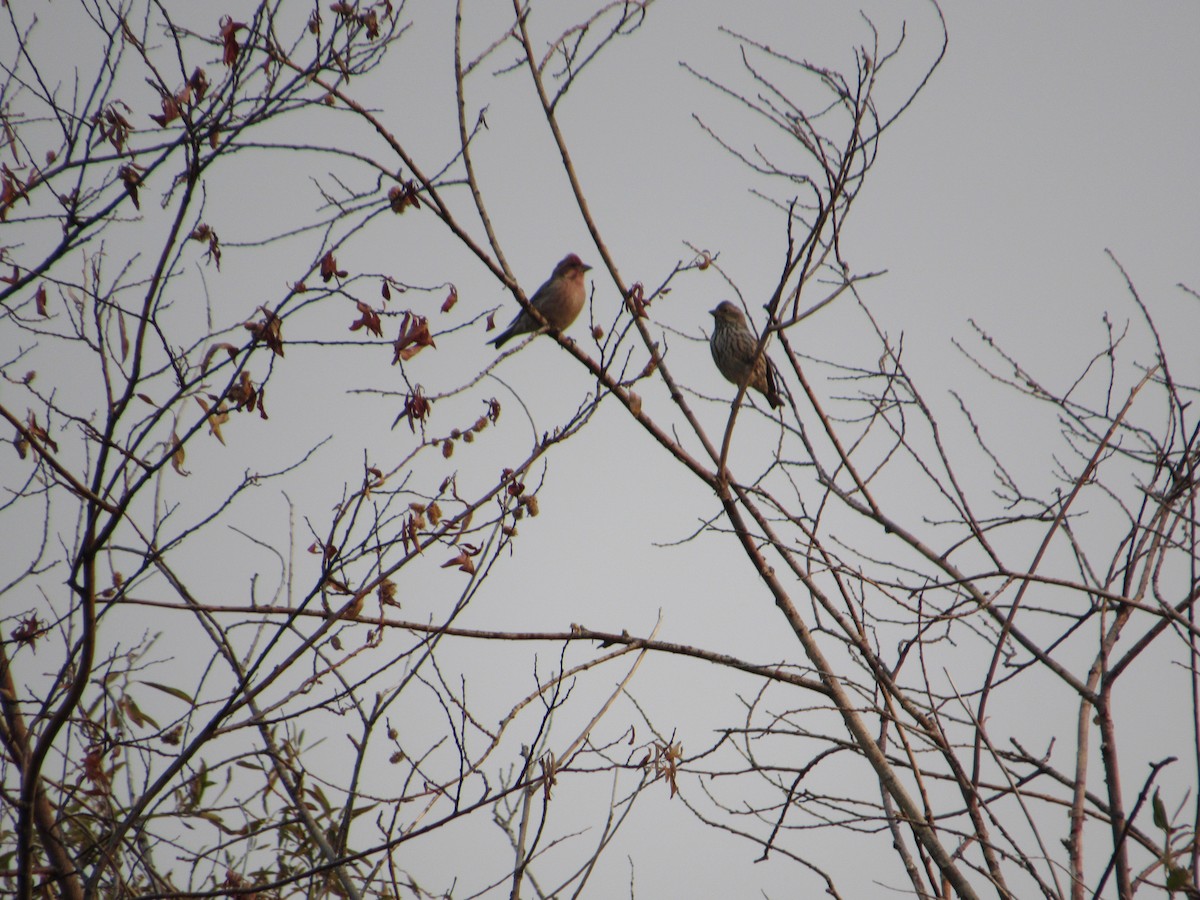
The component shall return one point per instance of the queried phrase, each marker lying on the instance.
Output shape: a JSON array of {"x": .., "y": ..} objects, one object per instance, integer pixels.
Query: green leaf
[
  {"x": 173, "y": 691},
  {"x": 1160, "y": 812},
  {"x": 1177, "y": 878}
]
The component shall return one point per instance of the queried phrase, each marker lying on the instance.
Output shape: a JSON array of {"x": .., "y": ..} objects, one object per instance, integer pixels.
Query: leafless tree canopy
[{"x": 238, "y": 654}]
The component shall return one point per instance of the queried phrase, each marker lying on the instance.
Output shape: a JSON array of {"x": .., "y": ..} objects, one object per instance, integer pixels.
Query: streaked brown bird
[
  {"x": 560, "y": 300},
  {"x": 732, "y": 345}
]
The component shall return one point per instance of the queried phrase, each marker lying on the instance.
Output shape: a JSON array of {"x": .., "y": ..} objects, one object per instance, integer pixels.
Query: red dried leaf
[
  {"x": 132, "y": 179},
  {"x": 269, "y": 331},
  {"x": 112, "y": 125},
  {"x": 39, "y": 300},
  {"x": 93, "y": 770},
  {"x": 416, "y": 408},
  {"x": 243, "y": 394},
  {"x": 413, "y": 338},
  {"x": 38, "y": 433},
  {"x": 463, "y": 561},
  {"x": 370, "y": 21},
  {"x": 198, "y": 83},
  {"x": 412, "y": 534},
  {"x": 123, "y": 334},
  {"x": 10, "y": 190},
  {"x": 386, "y": 291},
  {"x": 329, "y": 268},
  {"x": 229, "y": 30},
  {"x": 205, "y": 234},
  {"x": 451, "y": 299},
  {"x": 170, "y": 111},
  {"x": 636, "y": 300},
  {"x": 368, "y": 319},
  {"x": 491, "y": 321},
  {"x": 402, "y": 196},
  {"x": 327, "y": 551},
  {"x": 28, "y": 631}
]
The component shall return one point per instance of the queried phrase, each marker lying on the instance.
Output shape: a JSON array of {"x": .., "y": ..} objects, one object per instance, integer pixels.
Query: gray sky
[{"x": 1050, "y": 133}]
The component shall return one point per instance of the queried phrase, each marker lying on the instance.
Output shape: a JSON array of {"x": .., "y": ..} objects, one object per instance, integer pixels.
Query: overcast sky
[{"x": 1051, "y": 133}]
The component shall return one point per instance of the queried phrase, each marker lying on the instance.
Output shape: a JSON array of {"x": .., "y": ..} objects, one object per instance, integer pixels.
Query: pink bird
[{"x": 559, "y": 300}]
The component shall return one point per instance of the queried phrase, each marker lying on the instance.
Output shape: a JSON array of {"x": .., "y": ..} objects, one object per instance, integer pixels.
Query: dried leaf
[
  {"x": 93, "y": 770},
  {"x": 269, "y": 331},
  {"x": 451, "y": 299},
  {"x": 243, "y": 393},
  {"x": 198, "y": 83},
  {"x": 10, "y": 190},
  {"x": 228, "y": 348},
  {"x": 130, "y": 176},
  {"x": 178, "y": 456},
  {"x": 39, "y": 434},
  {"x": 416, "y": 409},
  {"x": 413, "y": 338},
  {"x": 170, "y": 111},
  {"x": 387, "y": 592},
  {"x": 30, "y": 629},
  {"x": 39, "y": 300},
  {"x": 402, "y": 196},
  {"x": 651, "y": 364},
  {"x": 463, "y": 561},
  {"x": 216, "y": 418},
  {"x": 635, "y": 300},
  {"x": 229, "y": 30},
  {"x": 368, "y": 319},
  {"x": 10, "y": 138},
  {"x": 354, "y": 610},
  {"x": 370, "y": 21},
  {"x": 111, "y": 125},
  {"x": 329, "y": 268},
  {"x": 205, "y": 234}
]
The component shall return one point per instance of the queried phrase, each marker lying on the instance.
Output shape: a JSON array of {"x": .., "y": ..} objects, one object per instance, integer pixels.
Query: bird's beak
[
  {"x": 713, "y": 313},
  {"x": 586, "y": 267}
]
